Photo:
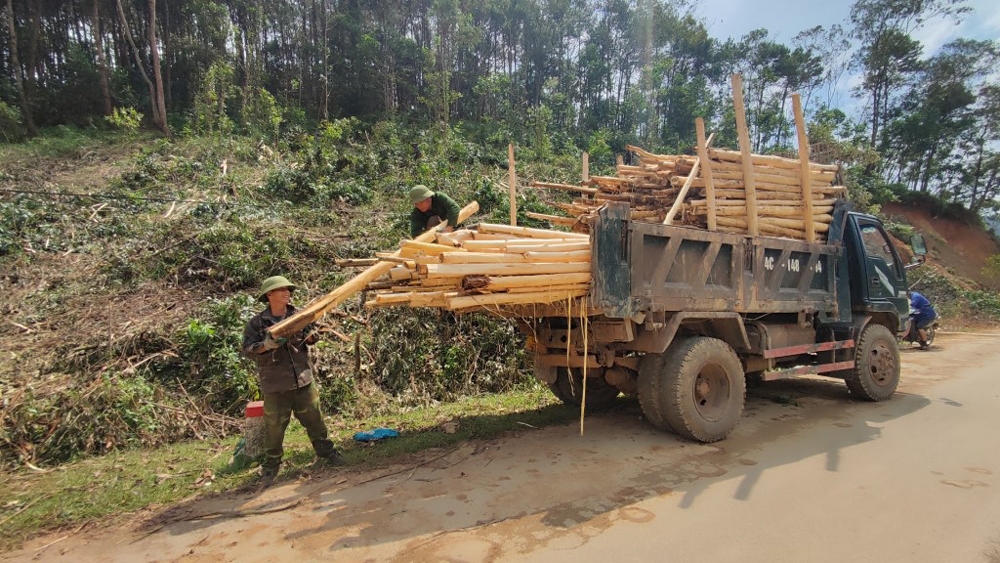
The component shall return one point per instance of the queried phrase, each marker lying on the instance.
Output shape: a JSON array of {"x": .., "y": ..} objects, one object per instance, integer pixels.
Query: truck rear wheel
[
  {"x": 876, "y": 365},
  {"x": 696, "y": 389},
  {"x": 600, "y": 393}
]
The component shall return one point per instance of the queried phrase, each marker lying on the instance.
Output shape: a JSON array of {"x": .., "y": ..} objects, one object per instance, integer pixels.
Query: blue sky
[{"x": 785, "y": 18}]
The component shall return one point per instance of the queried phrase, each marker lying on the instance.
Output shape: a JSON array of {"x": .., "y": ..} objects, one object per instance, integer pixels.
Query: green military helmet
[
  {"x": 272, "y": 283},
  {"x": 419, "y": 193}
]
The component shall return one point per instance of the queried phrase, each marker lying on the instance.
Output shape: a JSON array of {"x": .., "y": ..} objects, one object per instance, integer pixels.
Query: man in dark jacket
[
  {"x": 430, "y": 209},
  {"x": 286, "y": 381}
]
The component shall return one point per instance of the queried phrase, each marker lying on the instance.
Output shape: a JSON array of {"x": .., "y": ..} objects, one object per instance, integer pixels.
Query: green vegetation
[
  {"x": 131, "y": 296},
  {"x": 569, "y": 79},
  {"x": 992, "y": 271}
]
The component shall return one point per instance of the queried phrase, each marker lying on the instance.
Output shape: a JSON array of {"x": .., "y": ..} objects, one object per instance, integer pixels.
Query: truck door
[{"x": 884, "y": 276}]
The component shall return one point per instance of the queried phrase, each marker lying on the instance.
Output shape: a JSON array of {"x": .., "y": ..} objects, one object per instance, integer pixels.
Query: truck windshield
[{"x": 876, "y": 244}]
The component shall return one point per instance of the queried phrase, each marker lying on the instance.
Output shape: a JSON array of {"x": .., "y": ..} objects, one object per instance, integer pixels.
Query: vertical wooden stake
[
  {"x": 513, "y": 184},
  {"x": 676, "y": 207},
  {"x": 746, "y": 154},
  {"x": 804, "y": 176},
  {"x": 583, "y": 396},
  {"x": 706, "y": 171},
  {"x": 586, "y": 167},
  {"x": 569, "y": 337}
]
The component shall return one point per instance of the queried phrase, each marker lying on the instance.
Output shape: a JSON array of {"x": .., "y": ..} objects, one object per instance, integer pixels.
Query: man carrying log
[
  {"x": 286, "y": 381},
  {"x": 431, "y": 209}
]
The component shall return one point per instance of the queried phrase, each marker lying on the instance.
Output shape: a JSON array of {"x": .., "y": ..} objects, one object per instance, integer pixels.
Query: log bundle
[
  {"x": 652, "y": 184},
  {"x": 720, "y": 190},
  {"x": 777, "y": 186},
  {"x": 485, "y": 269}
]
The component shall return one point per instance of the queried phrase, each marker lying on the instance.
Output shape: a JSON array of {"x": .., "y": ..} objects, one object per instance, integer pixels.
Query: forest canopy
[{"x": 558, "y": 76}]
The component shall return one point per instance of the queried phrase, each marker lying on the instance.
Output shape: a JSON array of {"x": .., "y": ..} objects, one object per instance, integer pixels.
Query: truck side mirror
[{"x": 917, "y": 243}]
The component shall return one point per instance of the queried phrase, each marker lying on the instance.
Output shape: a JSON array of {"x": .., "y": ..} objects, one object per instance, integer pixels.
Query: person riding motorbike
[{"x": 922, "y": 314}]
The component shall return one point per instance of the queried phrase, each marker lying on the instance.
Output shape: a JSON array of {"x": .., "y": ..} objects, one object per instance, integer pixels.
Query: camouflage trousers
[{"x": 278, "y": 409}]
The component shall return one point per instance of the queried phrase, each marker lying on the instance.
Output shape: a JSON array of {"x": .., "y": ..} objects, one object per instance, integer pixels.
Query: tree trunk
[
  {"x": 15, "y": 62},
  {"x": 325, "y": 103},
  {"x": 242, "y": 58},
  {"x": 33, "y": 70},
  {"x": 159, "y": 103},
  {"x": 167, "y": 54},
  {"x": 102, "y": 63},
  {"x": 138, "y": 62}
]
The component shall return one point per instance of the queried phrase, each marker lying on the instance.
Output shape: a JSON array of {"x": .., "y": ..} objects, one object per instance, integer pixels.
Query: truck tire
[
  {"x": 651, "y": 387},
  {"x": 695, "y": 389},
  {"x": 876, "y": 365},
  {"x": 600, "y": 393}
]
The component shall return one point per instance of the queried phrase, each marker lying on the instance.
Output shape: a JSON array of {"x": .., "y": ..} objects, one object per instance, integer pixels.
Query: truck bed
[{"x": 647, "y": 267}]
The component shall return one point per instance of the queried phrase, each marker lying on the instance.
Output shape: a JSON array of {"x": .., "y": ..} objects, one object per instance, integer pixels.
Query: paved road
[{"x": 809, "y": 475}]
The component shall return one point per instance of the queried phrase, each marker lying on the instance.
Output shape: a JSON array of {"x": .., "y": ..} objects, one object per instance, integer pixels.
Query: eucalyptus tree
[
  {"x": 832, "y": 49},
  {"x": 606, "y": 66},
  {"x": 978, "y": 179},
  {"x": 887, "y": 55},
  {"x": 687, "y": 67},
  {"x": 17, "y": 70},
  {"x": 772, "y": 72},
  {"x": 937, "y": 112}
]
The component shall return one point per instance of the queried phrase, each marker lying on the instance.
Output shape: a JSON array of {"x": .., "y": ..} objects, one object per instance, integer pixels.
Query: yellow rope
[{"x": 583, "y": 323}]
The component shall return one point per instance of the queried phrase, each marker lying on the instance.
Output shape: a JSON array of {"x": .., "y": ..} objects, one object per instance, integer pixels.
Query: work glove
[{"x": 272, "y": 343}]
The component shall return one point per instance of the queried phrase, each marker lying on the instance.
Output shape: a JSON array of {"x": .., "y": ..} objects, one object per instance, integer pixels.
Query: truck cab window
[{"x": 877, "y": 245}]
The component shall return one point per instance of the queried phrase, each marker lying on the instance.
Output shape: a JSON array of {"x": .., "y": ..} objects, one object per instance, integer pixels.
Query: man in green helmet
[
  {"x": 286, "y": 381},
  {"x": 431, "y": 209}
]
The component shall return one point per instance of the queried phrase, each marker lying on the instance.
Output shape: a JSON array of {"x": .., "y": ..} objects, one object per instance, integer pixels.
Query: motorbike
[{"x": 911, "y": 336}]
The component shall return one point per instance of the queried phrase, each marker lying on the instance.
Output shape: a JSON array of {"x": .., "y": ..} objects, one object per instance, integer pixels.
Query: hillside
[
  {"x": 954, "y": 247},
  {"x": 129, "y": 264}
]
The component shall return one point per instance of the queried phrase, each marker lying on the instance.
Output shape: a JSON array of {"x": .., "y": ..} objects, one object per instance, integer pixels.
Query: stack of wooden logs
[
  {"x": 648, "y": 186},
  {"x": 779, "y": 205},
  {"x": 492, "y": 266},
  {"x": 653, "y": 183},
  {"x": 720, "y": 190}
]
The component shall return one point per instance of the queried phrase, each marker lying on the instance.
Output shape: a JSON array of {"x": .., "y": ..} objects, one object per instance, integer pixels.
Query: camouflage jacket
[{"x": 286, "y": 367}]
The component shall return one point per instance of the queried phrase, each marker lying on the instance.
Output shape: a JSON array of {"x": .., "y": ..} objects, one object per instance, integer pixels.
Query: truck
[{"x": 683, "y": 317}]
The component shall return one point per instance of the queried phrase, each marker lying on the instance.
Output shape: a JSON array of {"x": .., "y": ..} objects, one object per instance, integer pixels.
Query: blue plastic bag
[{"x": 375, "y": 435}]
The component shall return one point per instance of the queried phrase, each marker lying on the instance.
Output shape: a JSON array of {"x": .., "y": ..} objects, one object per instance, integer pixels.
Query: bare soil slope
[{"x": 957, "y": 248}]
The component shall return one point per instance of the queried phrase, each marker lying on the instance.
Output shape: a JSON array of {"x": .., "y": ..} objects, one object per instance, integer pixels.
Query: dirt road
[{"x": 809, "y": 475}]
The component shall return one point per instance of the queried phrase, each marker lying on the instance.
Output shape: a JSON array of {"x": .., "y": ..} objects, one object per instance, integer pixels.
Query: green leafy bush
[
  {"x": 125, "y": 119},
  {"x": 10, "y": 123},
  {"x": 422, "y": 354},
  {"x": 211, "y": 363},
  {"x": 901, "y": 231},
  {"x": 211, "y": 112},
  {"x": 263, "y": 115},
  {"x": 992, "y": 270}
]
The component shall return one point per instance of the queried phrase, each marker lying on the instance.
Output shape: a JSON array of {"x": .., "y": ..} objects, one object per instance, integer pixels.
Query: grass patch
[{"x": 107, "y": 488}]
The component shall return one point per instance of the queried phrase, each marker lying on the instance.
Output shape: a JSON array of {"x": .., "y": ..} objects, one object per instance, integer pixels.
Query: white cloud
[{"x": 936, "y": 33}]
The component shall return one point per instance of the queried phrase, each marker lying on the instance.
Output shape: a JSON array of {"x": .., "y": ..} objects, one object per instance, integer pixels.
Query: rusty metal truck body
[{"x": 683, "y": 316}]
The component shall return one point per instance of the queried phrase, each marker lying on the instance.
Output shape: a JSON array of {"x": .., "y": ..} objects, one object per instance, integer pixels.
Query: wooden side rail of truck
[{"x": 681, "y": 316}]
